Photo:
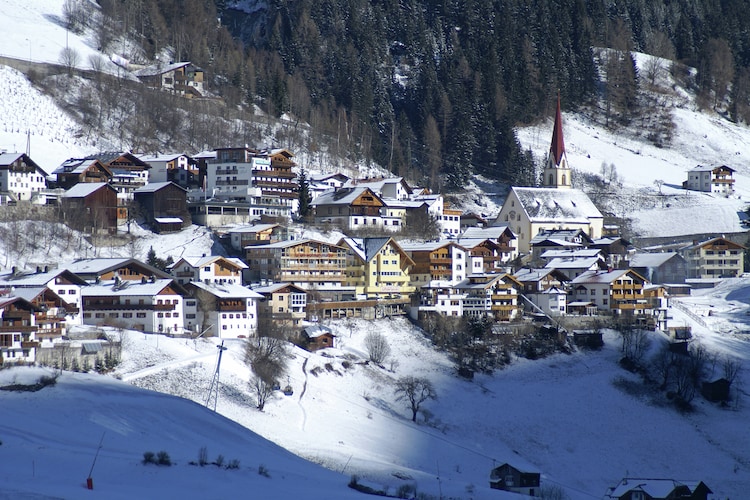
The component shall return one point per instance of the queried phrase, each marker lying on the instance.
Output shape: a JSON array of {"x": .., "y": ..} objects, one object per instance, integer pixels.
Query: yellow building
[{"x": 377, "y": 267}]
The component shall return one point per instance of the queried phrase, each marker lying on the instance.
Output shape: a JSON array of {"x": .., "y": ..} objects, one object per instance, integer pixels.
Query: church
[{"x": 555, "y": 205}]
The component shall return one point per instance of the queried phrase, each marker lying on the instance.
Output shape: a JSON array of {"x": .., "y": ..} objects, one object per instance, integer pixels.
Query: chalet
[
  {"x": 79, "y": 170},
  {"x": 128, "y": 172},
  {"x": 283, "y": 305},
  {"x": 18, "y": 329},
  {"x": 710, "y": 180},
  {"x": 440, "y": 297},
  {"x": 490, "y": 295},
  {"x": 377, "y": 267},
  {"x": 556, "y": 205},
  {"x": 62, "y": 282},
  {"x": 231, "y": 310},
  {"x": 573, "y": 267},
  {"x": 509, "y": 478},
  {"x": 658, "y": 489},
  {"x": 619, "y": 291},
  {"x": 335, "y": 180},
  {"x": 614, "y": 249},
  {"x": 182, "y": 78},
  {"x": 50, "y": 313},
  {"x": 715, "y": 258},
  {"x": 256, "y": 234},
  {"x": 442, "y": 260},
  {"x": 317, "y": 337},
  {"x": 163, "y": 205},
  {"x": 278, "y": 178},
  {"x": 101, "y": 269},
  {"x": 20, "y": 177},
  {"x": 472, "y": 220},
  {"x": 178, "y": 168},
  {"x": 484, "y": 255},
  {"x": 558, "y": 239},
  {"x": 450, "y": 222},
  {"x": 351, "y": 208},
  {"x": 149, "y": 305},
  {"x": 662, "y": 267},
  {"x": 570, "y": 253},
  {"x": 500, "y": 234},
  {"x": 208, "y": 269},
  {"x": 545, "y": 289},
  {"x": 91, "y": 207},
  {"x": 309, "y": 264},
  {"x": 394, "y": 188}
]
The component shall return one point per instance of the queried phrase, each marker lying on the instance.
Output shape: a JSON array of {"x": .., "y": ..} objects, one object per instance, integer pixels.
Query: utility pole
[{"x": 215, "y": 381}]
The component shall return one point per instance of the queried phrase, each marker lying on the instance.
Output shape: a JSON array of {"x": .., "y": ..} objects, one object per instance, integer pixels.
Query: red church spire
[{"x": 557, "y": 149}]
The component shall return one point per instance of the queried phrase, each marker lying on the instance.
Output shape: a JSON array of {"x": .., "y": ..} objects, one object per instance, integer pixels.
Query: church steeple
[{"x": 557, "y": 172}]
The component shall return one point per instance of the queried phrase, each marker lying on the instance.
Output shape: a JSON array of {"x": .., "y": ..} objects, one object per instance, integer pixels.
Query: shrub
[
  {"x": 149, "y": 457},
  {"x": 377, "y": 347},
  {"x": 202, "y": 456},
  {"x": 233, "y": 464},
  {"x": 263, "y": 471},
  {"x": 406, "y": 491},
  {"x": 162, "y": 458},
  {"x": 219, "y": 461}
]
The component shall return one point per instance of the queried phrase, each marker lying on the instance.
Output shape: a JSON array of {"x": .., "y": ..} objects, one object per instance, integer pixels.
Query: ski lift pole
[{"x": 89, "y": 479}]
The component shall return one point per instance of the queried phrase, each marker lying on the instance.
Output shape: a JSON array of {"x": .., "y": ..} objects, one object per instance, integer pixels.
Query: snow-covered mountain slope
[{"x": 51, "y": 438}]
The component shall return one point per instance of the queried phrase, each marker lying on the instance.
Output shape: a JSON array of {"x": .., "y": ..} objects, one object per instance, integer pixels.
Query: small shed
[
  {"x": 318, "y": 337},
  {"x": 588, "y": 338},
  {"x": 718, "y": 390},
  {"x": 583, "y": 308},
  {"x": 509, "y": 478},
  {"x": 167, "y": 224}
]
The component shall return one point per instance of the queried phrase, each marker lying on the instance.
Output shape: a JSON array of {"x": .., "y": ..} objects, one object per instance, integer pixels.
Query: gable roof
[
  {"x": 486, "y": 232},
  {"x": 367, "y": 248},
  {"x": 110, "y": 288},
  {"x": 79, "y": 166},
  {"x": 31, "y": 279},
  {"x": 343, "y": 196},
  {"x": 654, "y": 488},
  {"x": 153, "y": 187},
  {"x": 276, "y": 287},
  {"x": 651, "y": 259},
  {"x": 84, "y": 189},
  {"x": 573, "y": 263},
  {"x": 7, "y": 159},
  {"x": 90, "y": 268},
  {"x": 206, "y": 260},
  {"x": 594, "y": 277},
  {"x": 528, "y": 275},
  {"x": 555, "y": 205},
  {"x": 159, "y": 69},
  {"x": 226, "y": 290}
]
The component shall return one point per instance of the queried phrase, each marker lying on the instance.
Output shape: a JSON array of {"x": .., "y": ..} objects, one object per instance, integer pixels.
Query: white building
[
  {"x": 150, "y": 305},
  {"x": 64, "y": 283},
  {"x": 208, "y": 269},
  {"x": 231, "y": 309},
  {"x": 20, "y": 177},
  {"x": 711, "y": 180}
]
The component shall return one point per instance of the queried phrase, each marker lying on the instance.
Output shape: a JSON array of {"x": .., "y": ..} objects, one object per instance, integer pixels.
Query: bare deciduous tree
[
  {"x": 267, "y": 358},
  {"x": 377, "y": 347},
  {"x": 69, "y": 58},
  {"x": 415, "y": 390}
]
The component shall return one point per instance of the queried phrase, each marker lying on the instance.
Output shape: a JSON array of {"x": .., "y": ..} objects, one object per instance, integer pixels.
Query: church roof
[
  {"x": 556, "y": 205},
  {"x": 557, "y": 148}
]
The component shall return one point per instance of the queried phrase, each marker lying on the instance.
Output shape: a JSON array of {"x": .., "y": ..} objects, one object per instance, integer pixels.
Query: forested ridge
[{"x": 432, "y": 89}]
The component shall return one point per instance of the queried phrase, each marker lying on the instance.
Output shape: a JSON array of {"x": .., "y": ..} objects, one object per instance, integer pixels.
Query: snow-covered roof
[
  {"x": 168, "y": 220},
  {"x": 484, "y": 232},
  {"x": 83, "y": 189},
  {"x": 252, "y": 229},
  {"x": 8, "y": 158},
  {"x": 573, "y": 263},
  {"x": 552, "y": 205},
  {"x": 159, "y": 69},
  {"x": 32, "y": 279},
  {"x": 204, "y": 260},
  {"x": 654, "y": 488},
  {"x": 153, "y": 187},
  {"x": 428, "y": 246},
  {"x": 227, "y": 290},
  {"x": 275, "y": 287},
  {"x": 593, "y": 277},
  {"x": 125, "y": 287},
  {"x": 526, "y": 274},
  {"x": 341, "y": 196},
  {"x": 571, "y": 253},
  {"x": 160, "y": 157},
  {"x": 650, "y": 259}
]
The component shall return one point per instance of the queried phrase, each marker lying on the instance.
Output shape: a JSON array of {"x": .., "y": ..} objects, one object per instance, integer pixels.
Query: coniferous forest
[{"x": 432, "y": 89}]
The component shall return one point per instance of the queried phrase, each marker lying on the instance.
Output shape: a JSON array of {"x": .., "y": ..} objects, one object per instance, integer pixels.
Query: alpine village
[{"x": 240, "y": 179}]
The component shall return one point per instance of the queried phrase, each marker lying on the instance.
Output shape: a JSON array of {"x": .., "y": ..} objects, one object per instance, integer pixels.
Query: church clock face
[{"x": 512, "y": 214}]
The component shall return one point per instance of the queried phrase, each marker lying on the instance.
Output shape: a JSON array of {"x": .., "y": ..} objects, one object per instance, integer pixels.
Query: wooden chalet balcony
[
  {"x": 283, "y": 173},
  {"x": 318, "y": 255},
  {"x": 241, "y": 308},
  {"x": 263, "y": 183},
  {"x": 227, "y": 171},
  {"x": 312, "y": 277},
  {"x": 503, "y": 307},
  {"x": 721, "y": 180},
  {"x": 17, "y": 329},
  {"x": 16, "y": 315},
  {"x": 368, "y": 211},
  {"x": 441, "y": 262},
  {"x": 630, "y": 286},
  {"x": 313, "y": 266},
  {"x": 629, "y": 306},
  {"x": 627, "y": 296},
  {"x": 184, "y": 274},
  {"x": 49, "y": 333},
  {"x": 31, "y": 344}
]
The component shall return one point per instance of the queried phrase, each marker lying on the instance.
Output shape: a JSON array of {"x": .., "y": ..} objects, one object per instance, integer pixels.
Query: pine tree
[{"x": 304, "y": 194}]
